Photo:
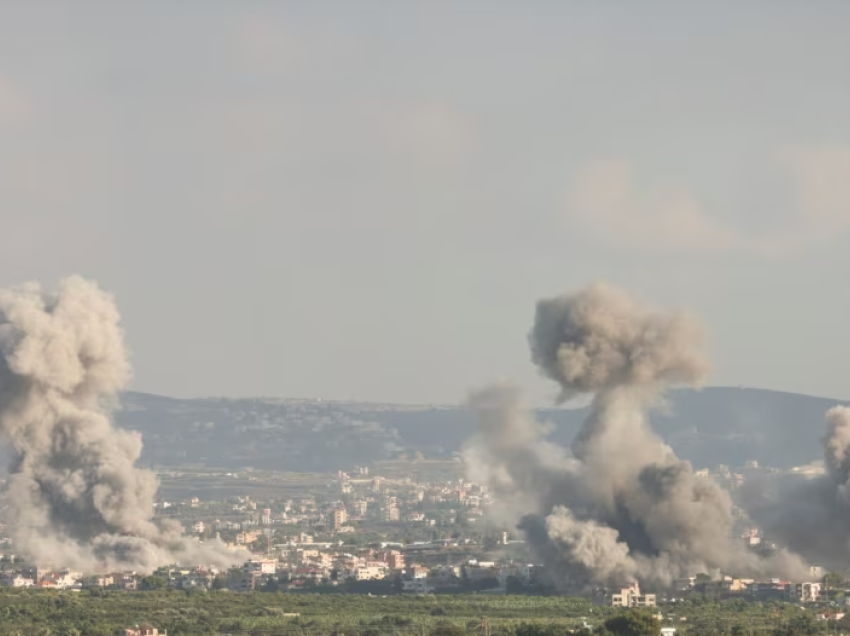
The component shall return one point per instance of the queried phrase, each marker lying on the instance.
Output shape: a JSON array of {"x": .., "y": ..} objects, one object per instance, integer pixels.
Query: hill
[{"x": 708, "y": 427}]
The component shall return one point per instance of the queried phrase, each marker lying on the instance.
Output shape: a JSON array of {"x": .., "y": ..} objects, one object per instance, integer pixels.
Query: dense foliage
[{"x": 97, "y": 613}]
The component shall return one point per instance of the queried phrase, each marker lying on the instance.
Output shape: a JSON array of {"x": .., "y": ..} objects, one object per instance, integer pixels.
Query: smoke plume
[
  {"x": 622, "y": 507},
  {"x": 75, "y": 496},
  {"x": 811, "y": 515}
]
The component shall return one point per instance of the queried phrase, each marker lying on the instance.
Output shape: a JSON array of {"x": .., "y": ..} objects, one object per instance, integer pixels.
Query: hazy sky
[{"x": 364, "y": 199}]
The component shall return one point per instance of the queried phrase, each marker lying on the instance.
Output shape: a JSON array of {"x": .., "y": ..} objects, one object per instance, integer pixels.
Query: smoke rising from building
[
  {"x": 75, "y": 496},
  {"x": 622, "y": 506},
  {"x": 811, "y": 515}
]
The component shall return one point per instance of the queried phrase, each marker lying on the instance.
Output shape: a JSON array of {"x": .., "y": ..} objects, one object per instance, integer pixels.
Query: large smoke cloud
[
  {"x": 812, "y": 515},
  {"x": 622, "y": 507},
  {"x": 75, "y": 496}
]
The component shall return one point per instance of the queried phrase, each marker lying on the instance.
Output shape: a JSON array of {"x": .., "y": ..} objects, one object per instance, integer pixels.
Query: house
[
  {"x": 63, "y": 580},
  {"x": 196, "y": 581},
  {"x": 143, "y": 630},
  {"x": 98, "y": 581},
  {"x": 16, "y": 581}
]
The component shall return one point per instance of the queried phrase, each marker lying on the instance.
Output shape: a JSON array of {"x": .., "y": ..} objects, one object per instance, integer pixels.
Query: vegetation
[{"x": 103, "y": 613}]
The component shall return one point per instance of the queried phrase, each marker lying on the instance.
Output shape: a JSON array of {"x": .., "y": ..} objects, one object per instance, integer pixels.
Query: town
[{"x": 357, "y": 532}]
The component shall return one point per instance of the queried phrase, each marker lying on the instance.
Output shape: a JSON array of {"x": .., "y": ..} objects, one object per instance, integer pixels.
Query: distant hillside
[{"x": 708, "y": 427}]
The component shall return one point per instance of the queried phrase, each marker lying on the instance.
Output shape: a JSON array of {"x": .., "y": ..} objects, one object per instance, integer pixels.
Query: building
[
  {"x": 142, "y": 630},
  {"x": 804, "y": 592},
  {"x": 770, "y": 590},
  {"x": 198, "y": 527},
  {"x": 98, "y": 581},
  {"x": 259, "y": 566},
  {"x": 416, "y": 586},
  {"x": 396, "y": 561},
  {"x": 390, "y": 513},
  {"x": 339, "y": 518},
  {"x": 61, "y": 580},
  {"x": 631, "y": 597},
  {"x": 393, "y": 558},
  {"x": 17, "y": 581},
  {"x": 361, "y": 507},
  {"x": 370, "y": 573},
  {"x": 247, "y": 583},
  {"x": 266, "y": 518},
  {"x": 245, "y": 538}
]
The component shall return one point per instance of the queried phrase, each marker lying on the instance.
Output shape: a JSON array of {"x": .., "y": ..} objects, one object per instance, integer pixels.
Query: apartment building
[
  {"x": 631, "y": 597},
  {"x": 807, "y": 592}
]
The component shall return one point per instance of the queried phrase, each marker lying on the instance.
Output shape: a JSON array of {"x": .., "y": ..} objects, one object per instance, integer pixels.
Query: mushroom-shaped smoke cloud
[
  {"x": 76, "y": 497},
  {"x": 623, "y": 507}
]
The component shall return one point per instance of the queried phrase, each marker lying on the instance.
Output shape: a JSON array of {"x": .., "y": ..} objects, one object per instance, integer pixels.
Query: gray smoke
[
  {"x": 622, "y": 507},
  {"x": 811, "y": 515},
  {"x": 76, "y": 499}
]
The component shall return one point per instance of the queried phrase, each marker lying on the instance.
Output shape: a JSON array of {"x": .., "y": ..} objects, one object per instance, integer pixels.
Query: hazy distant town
[{"x": 360, "y": 531}]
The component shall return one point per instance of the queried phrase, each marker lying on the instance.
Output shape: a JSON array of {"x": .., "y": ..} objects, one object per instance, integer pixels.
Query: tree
[
  {"x": 445, "y": 628},
  {"x": 490, "y": 544},
  {"x": 153, "y": 583},
  {"x": 800, "y": 625},
  {"x": 538, "y": 629},
  {"x": 833, "y": 581},
  {"x": 634, "y": 623},
  {"x": 513, "y": 585},
  {"x": 219, "y": 583}
]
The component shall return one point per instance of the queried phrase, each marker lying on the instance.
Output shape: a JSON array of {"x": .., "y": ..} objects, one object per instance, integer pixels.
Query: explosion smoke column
[
  {"x": 812, "y": 515},
  {"x": 76, "y": 498},
  {"x": 622, "y": 507}
]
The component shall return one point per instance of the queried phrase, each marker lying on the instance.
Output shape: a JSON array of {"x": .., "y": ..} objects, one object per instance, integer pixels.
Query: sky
[{"x": 364, "y": 200}]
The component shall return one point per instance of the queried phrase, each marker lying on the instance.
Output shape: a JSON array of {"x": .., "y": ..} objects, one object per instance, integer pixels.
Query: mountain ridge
[{"x": 708, "y": 426}]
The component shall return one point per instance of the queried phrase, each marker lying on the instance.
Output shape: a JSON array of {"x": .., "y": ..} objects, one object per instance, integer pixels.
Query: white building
[{"x": 370, "y": 573}]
